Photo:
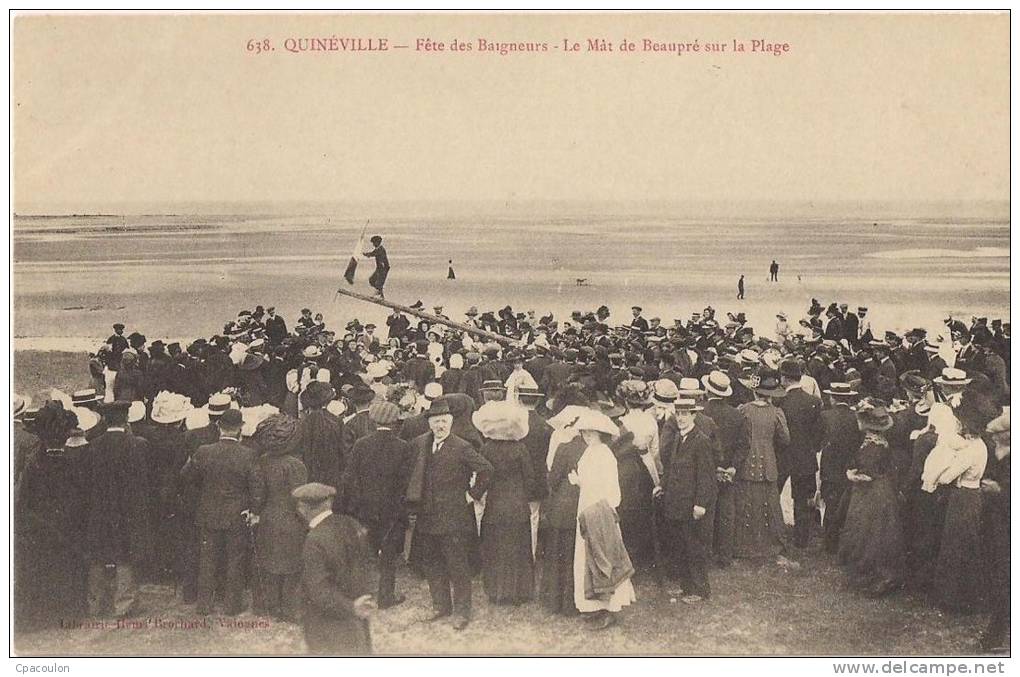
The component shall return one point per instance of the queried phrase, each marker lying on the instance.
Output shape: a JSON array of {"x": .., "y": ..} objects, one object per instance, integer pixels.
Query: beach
[{"x": 185, "y": 276}]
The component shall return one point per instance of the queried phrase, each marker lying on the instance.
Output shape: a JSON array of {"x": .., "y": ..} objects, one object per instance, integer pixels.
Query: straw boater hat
[
  {"x": 837, "y": 389},
  {"x": 377, "y": 370},
  {"x": 690, "y": 388},
  {"x": 82, "y": 397},
  {"x": 665, "y": 391},
  {"x": 170, "y": 407},
  {"x": 688, "y": 404},
  {"x": 953, "y": 377},
  {"x": 717, "y": 383}
]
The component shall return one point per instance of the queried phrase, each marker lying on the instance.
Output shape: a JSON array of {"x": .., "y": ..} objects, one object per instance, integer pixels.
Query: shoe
[
  {"x": 692, "y": 599},
  {"x": 392, "y": 602},
  {"x": 439, "y": 615},
  {"x": 604, "y": 621},
  {"x": 458, "y": 622}
]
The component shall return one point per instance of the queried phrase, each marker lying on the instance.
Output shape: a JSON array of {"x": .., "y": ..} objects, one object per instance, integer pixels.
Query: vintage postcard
[{"x": 517, "y": 333}]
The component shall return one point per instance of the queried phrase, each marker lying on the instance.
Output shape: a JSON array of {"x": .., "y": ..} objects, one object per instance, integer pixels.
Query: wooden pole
[{"x": 435, "y": 319}]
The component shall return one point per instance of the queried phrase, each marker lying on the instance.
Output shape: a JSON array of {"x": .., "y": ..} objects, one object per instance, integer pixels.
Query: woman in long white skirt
[{"x": 598, "y": 479}]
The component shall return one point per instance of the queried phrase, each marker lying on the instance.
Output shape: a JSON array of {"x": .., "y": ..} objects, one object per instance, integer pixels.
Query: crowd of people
[{"x": 557, "y": 464}]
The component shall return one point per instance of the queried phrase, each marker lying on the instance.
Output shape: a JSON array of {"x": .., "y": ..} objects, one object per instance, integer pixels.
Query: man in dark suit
[
  {"x": 336, "y": 576},
  {"x": 834, "y": 328},
  {"x": 276, "y": 328},
  {"x": 851, "y": 327},
  {"x": 537, "y": 443},
  {"x": 841, "y": 438},
  {"x": 442, "y": 491},
  {"x": 688, "y": 495},
  {"x": 638, "y": 324},
  {"x": 359, "y": 424},
  {"x": 733, "y": 443},
  {"x": 117, "y": 536},
  {"x": 799, "y": 461},
  {"x": 375, "y": 479},
  {"x": 225, "y": 472}
]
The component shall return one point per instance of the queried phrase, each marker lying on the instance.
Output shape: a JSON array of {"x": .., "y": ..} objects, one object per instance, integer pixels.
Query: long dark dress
[
  {"x": 635, "y": 510},
  {"x": 382, "y": 267},
  {"x": 507, "y": 568},
  {"x": 557, "y": 530},
  {"x": 280, "y": 534},
  {"x": 49, "y": 520},
  {"x": 759, "y": 527},
  {"x": 871, "y": 542}
]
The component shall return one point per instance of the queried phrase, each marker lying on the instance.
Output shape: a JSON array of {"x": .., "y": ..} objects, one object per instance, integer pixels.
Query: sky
[{"x": 158, "y": 111}]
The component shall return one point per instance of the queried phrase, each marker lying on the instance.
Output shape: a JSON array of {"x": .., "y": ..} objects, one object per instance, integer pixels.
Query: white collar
[
  {"x": 232, "y": 439},
  {"x": 793, "y": 386},
  {"x": 318, "y": 518},
  {"x": 116, "y": 430}
]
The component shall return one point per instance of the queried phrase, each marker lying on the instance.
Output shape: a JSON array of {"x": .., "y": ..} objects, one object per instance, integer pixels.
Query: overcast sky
[{"x": 173, "y": 110}]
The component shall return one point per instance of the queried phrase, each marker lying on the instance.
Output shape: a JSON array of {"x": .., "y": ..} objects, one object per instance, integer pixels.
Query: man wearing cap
[
  {"x": 689, "y": 492},
  {"x": 117, "y": 534},
  {"x": 733, "y": 439},
  {"x": 841, "y": 438},
  {"x": 375, "y": 481},
  {"x": 440, "y": 492},
  {"x": 799, "y": 460},
  {"x": 336, "y": 576},
  {"x": 225, "y": 472}
]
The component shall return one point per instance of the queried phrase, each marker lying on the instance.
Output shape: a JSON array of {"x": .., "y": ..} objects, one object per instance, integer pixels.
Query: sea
[{"x": 184, "y": 271}]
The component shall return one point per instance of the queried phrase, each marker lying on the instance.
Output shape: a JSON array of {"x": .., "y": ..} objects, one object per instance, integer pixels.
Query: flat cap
[
  {"x": 384, "y": 413},
  {"x": 313, "y": 492}
]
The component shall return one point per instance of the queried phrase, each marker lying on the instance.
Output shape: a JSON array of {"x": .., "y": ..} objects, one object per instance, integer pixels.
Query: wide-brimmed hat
[
  {"x": 791, "y": 369},
  {"x": 87, "y": 419},
  {"x": 953, "y": 377},
  {"x": 361, "y": 394},
  {"x": 633, "y": 391},
  {"x": 472, "y": 311},
  {"x": 589, "y": 419},
  {"x": 317, "y": 394},
  {"x": 170, "y": 407},
  {"x": 975, "y": 411},
  {"x": 501, "y": 420},
  {"x": 769, "y": 385},
  {"x": 748, "y": 356},
  {"x": 136, "y": 412},
  {"x": 873, "y": 415},
  {"x": 377, "y": 370},
  {"x": 717, "y": 383},
  {"x": 837, "y": 389},
  {"x": 312, "y": 351},
  {"x": 19, "y": 404}
]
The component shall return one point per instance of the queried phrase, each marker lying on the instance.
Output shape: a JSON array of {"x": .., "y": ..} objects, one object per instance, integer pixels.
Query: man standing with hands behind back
[{"x": 440, "y": 490}]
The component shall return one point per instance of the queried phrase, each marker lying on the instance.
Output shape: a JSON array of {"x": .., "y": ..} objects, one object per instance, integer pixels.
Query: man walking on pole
[{"x": 382, "y": 266}]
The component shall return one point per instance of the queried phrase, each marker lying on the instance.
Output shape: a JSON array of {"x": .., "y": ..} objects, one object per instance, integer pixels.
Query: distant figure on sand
[
  {"x": 450, "y": 275},
  {"x": 382, "y": 266},
  {"x": 740, "y": 287},
  {"x": 774, "y": 272}
]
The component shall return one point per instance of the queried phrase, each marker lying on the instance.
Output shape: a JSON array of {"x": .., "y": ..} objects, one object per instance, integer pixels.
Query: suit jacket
[
  {"x": 337, "y": 569},
  {"x": 226, "y": 471},
  {"x": 116, "y": 474},
  {"x": 734, "y": 433},
  {"x": 318, "y": 442},
  {"x": 850, "y": 326},
  {"x": 804, "y": 418},
  {"x": 537, "y": 442},
  {"x": 376, "y": 477},
  {"x": 690, "y": 476},
  {"x": 841, "y": 438},
  {"x": 446, "y": 477},
  {"x": 276, "y": 329},
  {"x": 559, "y": 509},
  {"x": 356, "y": 427}
]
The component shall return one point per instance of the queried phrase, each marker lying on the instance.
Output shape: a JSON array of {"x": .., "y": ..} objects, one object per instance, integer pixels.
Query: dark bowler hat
[
  {"x": 791, "y": 369},
  {"x": 317, "y": 394},
  {"x": 313, "y": 493},
  {"x": 118, "y": 406},
  {"x": 231, "y": 419},
  {"x": 439, "y": 407},
  {"x": 361, "y": 394}
]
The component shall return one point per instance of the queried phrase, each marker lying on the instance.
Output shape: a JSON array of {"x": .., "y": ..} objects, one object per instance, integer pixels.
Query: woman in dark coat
[
  {"x": 507, "y": 566},
  {"x": 871, "y": 544},
  {"x": 318, "y": 440},
  {"x": 49, "y": 520},
  {"x": 280, "y": 532},
  {"x": 637, "y": 483}
]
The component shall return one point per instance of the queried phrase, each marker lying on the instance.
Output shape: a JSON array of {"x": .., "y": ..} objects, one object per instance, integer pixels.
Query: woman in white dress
[{"x": 597, "y": 478}]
